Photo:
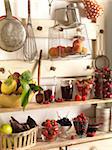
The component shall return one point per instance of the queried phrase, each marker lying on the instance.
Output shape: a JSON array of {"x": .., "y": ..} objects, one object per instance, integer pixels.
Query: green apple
[{"x": 6, "y": 128}]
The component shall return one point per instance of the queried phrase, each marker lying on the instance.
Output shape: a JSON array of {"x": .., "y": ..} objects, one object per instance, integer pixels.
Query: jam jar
[{"x": 67, "y": 89}]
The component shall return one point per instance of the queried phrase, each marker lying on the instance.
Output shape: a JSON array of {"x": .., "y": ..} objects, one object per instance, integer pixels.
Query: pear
[
  {"x": 19, "y": 90},
  {"x": 8, "y": 86}
]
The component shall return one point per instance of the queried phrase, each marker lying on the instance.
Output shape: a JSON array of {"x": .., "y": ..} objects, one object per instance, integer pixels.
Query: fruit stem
[
  {"x": 10, "y": 72},
  {"x": 58, "y": 114}
]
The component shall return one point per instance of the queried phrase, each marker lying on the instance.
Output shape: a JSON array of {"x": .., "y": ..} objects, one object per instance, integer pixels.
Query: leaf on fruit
[
  {"x": 8, "y": 81},
  {"x": 26, "y": 76},
  {"x": 25, "y": 100},
  {"x": 35, "y": 88}
]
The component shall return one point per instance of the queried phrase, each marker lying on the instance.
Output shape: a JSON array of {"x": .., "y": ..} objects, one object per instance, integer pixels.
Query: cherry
[
  {"x": 46, "y": 102},
  {"x": 72, "y": 137},
  {"x": 59, "y": 100}
]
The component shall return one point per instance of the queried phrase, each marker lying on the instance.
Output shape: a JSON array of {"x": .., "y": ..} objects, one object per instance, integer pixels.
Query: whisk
[{"x": 29, "y": 48}]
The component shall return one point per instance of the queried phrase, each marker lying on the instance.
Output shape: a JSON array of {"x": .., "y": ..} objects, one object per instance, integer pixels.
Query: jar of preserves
[{"x": 67, "y": 89}]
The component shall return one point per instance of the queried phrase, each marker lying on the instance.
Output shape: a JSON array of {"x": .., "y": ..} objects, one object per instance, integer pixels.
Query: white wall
[{"x": 75, "y": 67}]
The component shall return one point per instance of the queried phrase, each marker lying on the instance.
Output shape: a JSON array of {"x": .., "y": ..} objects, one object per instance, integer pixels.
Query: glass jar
[
  {"x": 49, "y": 92},
  {"x": 67, "y": 89}
]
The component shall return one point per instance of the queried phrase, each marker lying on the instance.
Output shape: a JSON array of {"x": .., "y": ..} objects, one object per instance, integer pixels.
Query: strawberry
[
  {"x": 48, "y": 125},
  {"x": 48, "y": 121},
  {"x": 45, "y": 132},
  {"x": 54, "y": 133}
]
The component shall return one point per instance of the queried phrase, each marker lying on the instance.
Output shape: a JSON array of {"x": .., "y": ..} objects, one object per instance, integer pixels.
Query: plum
[{"x": 16, "y": 76}]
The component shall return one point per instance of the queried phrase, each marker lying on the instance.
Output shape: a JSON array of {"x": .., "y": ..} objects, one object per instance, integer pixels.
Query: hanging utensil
[
  {"x": 34, "y": 66},
  {"x": 101, "y": 60},
  {"x": 94, "y": 47},
  {"x": 68, "y": 15},
  {"x": 12, "y": 32},
  {"x": 29, "y": 48},
  {"x": 40, "y": 94}
]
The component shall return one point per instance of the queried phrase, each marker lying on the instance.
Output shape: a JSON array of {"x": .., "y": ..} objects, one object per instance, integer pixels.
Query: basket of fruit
[
  {"x": 61, "y": 44},
  {"x": 50, "y": 130},
  {"x": 18, "y": 135},
  {"x": 17, "y": 90}
]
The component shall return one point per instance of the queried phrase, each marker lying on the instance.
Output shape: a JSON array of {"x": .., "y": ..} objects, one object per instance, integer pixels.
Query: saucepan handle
[{"x": 8, "y": 9}]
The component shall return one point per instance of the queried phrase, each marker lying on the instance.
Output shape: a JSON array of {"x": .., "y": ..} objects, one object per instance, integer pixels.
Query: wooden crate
[{"x": 19, "y": 141}]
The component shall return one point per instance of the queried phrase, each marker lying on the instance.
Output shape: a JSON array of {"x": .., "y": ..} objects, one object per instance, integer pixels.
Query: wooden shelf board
[
  {"x": 65, "y": 142},
  {"x": 34, "y": 105}
]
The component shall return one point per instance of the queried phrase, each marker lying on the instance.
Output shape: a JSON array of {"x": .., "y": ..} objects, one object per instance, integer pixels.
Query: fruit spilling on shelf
[
  {"x": 50, "y": 130},
  {"x": 81, "y": 124}
]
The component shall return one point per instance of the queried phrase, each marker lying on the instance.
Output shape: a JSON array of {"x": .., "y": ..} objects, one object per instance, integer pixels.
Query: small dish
[
  {"x": 64, "y": 130},
  {"x": 92, "y": 128}
]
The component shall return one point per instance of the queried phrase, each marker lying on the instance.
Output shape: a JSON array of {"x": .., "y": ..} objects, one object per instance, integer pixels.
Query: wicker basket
[
  {"x": 19, "y": 141},
  {"x": 12, "y": 101}
]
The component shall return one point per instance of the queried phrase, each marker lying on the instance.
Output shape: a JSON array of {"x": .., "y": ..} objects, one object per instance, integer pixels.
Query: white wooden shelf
[
  {"x": 69, "y": 142},
  {"x": 34, "y": 105}
]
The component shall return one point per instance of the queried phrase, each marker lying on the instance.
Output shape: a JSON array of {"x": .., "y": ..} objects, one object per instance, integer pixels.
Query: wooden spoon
[{"x": 40, "y": 94}]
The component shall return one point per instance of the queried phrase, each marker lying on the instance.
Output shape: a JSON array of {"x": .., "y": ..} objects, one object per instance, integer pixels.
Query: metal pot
[
  {"x": 68, "y": 15},
  {"x": 12, "y": 32}
]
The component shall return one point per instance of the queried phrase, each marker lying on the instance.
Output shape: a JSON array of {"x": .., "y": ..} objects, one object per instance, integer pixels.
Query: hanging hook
[{"x": 2, "y": 70}]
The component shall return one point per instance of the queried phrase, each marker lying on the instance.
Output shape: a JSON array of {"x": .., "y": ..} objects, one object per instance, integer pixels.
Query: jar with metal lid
[{"x": 67, "y": 89}]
